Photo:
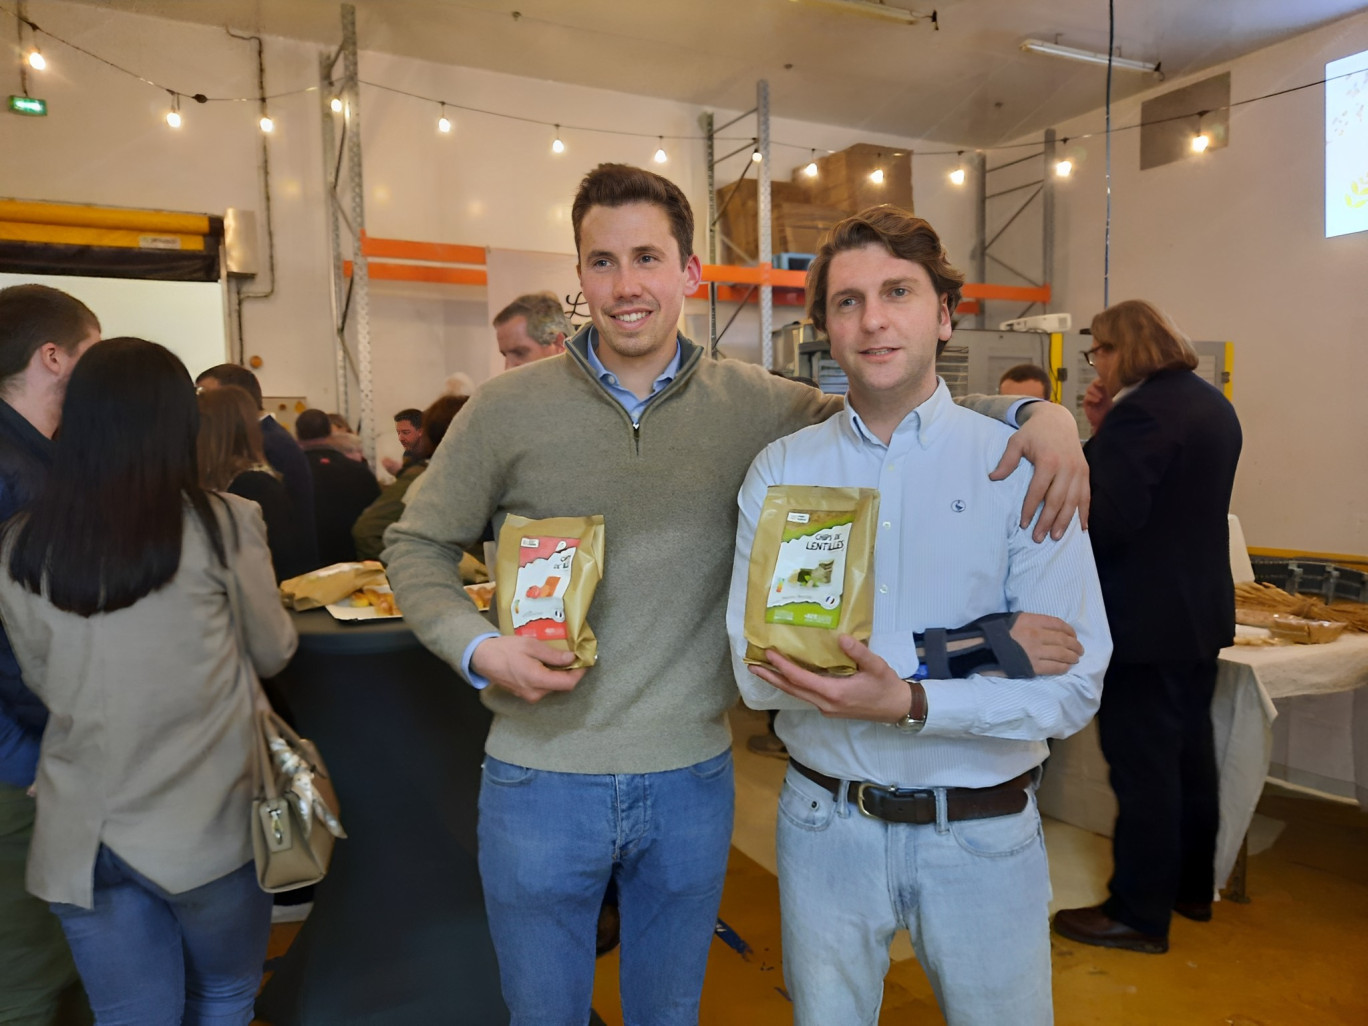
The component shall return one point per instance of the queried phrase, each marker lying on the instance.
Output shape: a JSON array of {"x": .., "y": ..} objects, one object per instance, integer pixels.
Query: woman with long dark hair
[
  {"x": 231, "y": 460},
  {"x": 119, "y": 588}
]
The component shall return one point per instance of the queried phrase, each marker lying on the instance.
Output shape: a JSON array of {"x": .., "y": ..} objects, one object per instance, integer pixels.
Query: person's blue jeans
[
  {"x": 150, "y": 958},
  {"x": 973, "y": 894},
  {"x": 550, "y": 842}
]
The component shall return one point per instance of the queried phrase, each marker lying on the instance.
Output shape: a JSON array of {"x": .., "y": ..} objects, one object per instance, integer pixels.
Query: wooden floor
[{"x": 1295, "y": 955}]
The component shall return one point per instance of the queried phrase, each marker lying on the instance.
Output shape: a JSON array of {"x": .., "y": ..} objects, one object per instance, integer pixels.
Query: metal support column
[
  {"x": 766, "y": 237},
  {"x": 707, "y": 122},
  {"x": 1047, "y": 213},
  {"x": 351, "y": 98},
  {"x": 326, "y": 92},
  {"x": 981, "y": 233}
]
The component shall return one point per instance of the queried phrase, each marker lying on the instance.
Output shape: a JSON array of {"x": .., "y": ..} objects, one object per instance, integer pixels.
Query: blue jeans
[
  {"x": 149, "y": 958},
  {"x": 550, "y": 842},
  {"x": 973, "y": 894}
]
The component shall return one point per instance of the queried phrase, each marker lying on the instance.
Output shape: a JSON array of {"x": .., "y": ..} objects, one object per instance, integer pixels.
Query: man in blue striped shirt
[{"x": 909, "y": 801}]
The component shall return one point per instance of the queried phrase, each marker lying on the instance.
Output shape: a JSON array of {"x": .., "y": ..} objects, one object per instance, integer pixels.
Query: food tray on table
[{"x": 371, "y": 603}]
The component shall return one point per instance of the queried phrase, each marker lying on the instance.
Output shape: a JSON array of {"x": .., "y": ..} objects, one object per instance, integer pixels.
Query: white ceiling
[{"x": 967, "y": 83}]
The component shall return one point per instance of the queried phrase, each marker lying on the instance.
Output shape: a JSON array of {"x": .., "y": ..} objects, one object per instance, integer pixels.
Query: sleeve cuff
[
  {"x": 476, "y": 681},
  {"x": 1014, "y": 411}
]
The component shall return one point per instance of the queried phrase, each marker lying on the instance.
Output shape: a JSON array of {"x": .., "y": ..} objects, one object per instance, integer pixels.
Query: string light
[
  {"x": 1063, "y": 168},
  {"x": 36, "y": 60},
  {"x": 1200, "y": 142},
  {"x": 444, "y": 122},
  {"x": 811, "y": 169},
  {"x": 267, "y": 125},
  {"x": 336, "y": 105},
  {"x": 957, "y": 176},
  {"x": 173, "y": 116},
  {"x": 877, "y": 176},
  {"x": 557, "y": 146},
  {"x": 755, "y": 155},
  {"x": 660, "y": 155}
]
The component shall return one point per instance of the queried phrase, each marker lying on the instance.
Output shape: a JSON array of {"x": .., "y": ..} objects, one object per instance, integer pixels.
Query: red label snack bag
[{"x": 547, "y": 573}]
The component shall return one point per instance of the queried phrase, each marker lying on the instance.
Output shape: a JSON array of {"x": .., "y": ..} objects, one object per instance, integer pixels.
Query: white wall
[
  {"x": 1231, "y": 244},
  {"x": 491, "y": 182}
]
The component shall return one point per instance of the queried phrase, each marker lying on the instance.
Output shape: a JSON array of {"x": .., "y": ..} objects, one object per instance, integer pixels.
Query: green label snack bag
[
  {"x": 545, "y": 580},
  {"x": 809, "y": 579}
]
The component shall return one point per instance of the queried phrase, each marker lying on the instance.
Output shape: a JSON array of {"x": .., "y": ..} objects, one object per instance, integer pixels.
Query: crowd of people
[{"x": 142, "y": 544}]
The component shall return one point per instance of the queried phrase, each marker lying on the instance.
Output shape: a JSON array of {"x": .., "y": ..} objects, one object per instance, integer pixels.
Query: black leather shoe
[
  {"x": 1197, "y": 911},
  {"x": 1094, "y": 926}
]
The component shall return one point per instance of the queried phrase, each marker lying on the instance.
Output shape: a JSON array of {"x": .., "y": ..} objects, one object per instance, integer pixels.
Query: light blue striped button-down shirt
[{"x": 949, "y": 549}]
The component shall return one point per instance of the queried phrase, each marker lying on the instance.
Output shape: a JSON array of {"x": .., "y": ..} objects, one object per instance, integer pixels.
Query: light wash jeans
[
  {"x": 150, "y": 958},
  {"x": 549, "y": 843},
  {"x": 973, "y": 894}
]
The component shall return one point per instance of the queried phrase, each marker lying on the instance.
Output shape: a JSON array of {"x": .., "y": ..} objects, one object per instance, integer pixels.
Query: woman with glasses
[
  {"x": 1162, "y": 461},
  {"x": 134, "y": 599}
]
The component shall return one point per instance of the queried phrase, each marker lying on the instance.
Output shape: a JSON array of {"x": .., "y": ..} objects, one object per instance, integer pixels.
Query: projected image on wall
[{"x": 1346, "y": 145}]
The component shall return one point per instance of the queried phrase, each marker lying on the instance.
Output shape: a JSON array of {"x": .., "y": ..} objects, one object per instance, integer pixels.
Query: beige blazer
[{"x": 148, "y": 749}]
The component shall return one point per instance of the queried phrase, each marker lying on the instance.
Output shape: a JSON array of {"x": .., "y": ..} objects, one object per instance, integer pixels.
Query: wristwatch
[{"x": 915, "y": 719}]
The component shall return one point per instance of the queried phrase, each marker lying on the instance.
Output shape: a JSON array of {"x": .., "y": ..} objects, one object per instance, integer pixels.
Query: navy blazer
[
  {"x": 1163, "y": 466},
  {"x": 284, "y": 454}
]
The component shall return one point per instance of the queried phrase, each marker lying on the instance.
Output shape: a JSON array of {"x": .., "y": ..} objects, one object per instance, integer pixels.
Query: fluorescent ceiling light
[
  {"x": 1086, "y": 56},
  {"x": 872, "y": 8}
]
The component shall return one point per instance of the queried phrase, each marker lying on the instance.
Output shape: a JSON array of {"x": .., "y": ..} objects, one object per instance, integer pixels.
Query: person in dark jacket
[
  {"x": 281, "y": 450},
  {"x": 43, "y": 332},
  {"x": 231, "y": 460},
  {"x": 1162, "y": 464},
  {"x": 343, "y": 488}
]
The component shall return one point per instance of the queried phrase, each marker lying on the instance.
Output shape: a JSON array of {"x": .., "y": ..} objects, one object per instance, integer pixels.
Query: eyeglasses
[{"x": 1088, "y": 354}]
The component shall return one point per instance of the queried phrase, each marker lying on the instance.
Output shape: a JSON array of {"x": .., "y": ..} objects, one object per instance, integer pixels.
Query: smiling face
[
  {"x": 633, "y": 280},
  {"x": 885, "y": 320}
]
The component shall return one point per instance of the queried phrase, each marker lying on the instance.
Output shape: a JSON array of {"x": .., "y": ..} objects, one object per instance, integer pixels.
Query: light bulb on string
[
  {"x": 958, "y": 175},
  {"x": 267, "y": 124},
  {"x": 660, "y": 155},
  {"x": 811, "y": 169},
  {"x": 755, "y": 155},
  {"x": 36, "y": 60},
  {"x": 173, "y": 116},
  {"x": 1200, "y": 142},
  {"x": 877, "y": 176},
  {"x": 1063, "y": 168},
  {"x": 336, "y": 105},
  {"x": 444, "y": 122},
  {"x": 556, "y": 145}
]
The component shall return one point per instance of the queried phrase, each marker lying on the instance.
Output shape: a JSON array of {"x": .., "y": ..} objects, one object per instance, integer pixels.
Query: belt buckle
[{"x": 860, "y": 797}]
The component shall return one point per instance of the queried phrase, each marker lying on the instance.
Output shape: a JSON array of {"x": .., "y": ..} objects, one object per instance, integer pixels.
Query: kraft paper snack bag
[
  {"x": 547, "y": 573},
  {"x": 811, "y": 575}
]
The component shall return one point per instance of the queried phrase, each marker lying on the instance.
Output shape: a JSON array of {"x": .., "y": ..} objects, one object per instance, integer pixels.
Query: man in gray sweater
[{"x": 622, "y": 771}]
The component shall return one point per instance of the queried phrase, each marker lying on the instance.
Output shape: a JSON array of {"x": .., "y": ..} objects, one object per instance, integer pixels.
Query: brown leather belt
[{"x": 919, "y": 806}]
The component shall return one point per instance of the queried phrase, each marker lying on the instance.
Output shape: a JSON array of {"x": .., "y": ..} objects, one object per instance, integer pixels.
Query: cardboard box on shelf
[
  {"x": 843, "y": 180},
  {"x": 739, "y": 225}
]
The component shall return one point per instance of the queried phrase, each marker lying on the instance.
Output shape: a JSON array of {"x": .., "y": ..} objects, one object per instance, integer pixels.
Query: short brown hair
[
  {"x": 238, "y": 376},
  {"x": 903, "y": 236},
  {"x": 229, "y": 436},
  {"x": 616, "y": 185},
  {"x": 1144, "y": 339},
  {"x": 436, "y": 419},
  {"x": 312, "y": 424},
  {"x": 1028, "y": 372},
  {"x": 31, "y": 315}
]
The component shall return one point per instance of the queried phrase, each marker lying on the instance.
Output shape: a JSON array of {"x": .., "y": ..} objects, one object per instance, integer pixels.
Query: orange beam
[
  {"x": 970, "y": 306},
  {"x": 736, "y": 294},
  {"x": 1016, "y": 293},
  {"x": 435, "y": 252},
  {"x": 381, "y": 271},
  {"x": 762, "y": 274}
]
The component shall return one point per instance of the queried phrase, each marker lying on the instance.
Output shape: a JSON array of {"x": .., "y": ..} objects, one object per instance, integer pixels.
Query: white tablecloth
[{"x": 1250, "y": 680}]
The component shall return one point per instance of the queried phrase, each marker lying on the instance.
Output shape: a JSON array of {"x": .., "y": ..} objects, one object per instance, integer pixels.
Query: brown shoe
[
  {"x": 1197, "y": 911},
  {"x": 1094, "y": 926}
]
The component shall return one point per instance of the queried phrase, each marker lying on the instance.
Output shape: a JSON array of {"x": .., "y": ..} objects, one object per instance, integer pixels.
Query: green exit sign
[{"x": 28, "y": 105}]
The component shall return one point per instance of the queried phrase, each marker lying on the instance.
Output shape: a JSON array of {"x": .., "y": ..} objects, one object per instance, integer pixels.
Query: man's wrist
[{"x": 916, "y": 710}]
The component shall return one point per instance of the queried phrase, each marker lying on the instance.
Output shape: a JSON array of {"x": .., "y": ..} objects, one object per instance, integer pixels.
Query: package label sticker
[
  {"x": 538, "y": 605},
  {"x": 809, "y": 574}
]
